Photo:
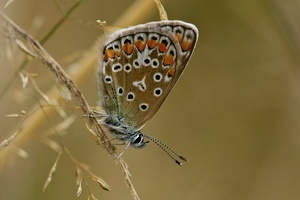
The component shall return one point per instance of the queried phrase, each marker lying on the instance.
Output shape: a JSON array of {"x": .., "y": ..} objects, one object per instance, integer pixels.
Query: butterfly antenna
[{"x": 167, "y": 149}]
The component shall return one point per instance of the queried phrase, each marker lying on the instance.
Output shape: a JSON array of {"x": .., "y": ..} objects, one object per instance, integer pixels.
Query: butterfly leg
[
  {"x": 96, "y": 114},
  {"x": 127, "y": 146}
]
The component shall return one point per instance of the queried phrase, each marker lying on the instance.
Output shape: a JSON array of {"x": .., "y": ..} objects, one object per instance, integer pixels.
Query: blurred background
[{"x": 234, "y": 113}]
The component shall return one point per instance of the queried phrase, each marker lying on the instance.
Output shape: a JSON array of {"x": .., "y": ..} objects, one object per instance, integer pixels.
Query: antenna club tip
[
  {"x": 178, "y": 163},
  {"x": 183, "y": 158}
]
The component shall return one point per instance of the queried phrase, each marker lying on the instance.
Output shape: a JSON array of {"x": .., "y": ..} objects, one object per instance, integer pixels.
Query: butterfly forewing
[{"x": 140, "y": 66}]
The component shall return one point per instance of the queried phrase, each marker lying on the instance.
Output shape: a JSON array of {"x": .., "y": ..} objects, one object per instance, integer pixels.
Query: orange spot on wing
[
  {"x": 105, "y": 57},
  {"x": 140, "y": 45},
  {"x": 185, "y": 45},
  {"x": 127, "y": 48},
  {"x": 110, "y": 53},
  {"x": 118, "y": 53},
  {"x": 178, "y": 37},
  {"x": 151, "y": 43},
  {"x": 162, "y": 47},
  {"x": 168, "y": 59},
  {"x": 171, "y": 72}
]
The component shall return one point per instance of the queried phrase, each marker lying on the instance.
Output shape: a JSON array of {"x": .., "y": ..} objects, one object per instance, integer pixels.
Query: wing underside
[{"x": 139, "y": 67}]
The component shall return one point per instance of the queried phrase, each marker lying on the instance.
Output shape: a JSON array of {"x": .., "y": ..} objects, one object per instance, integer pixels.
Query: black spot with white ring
[
  {"x": 144, "y": 106},
  {"x": 157, "y": 77},
  {"x": 108, "y": 79},
  {"x": 147, "y": 61},
  {"x": 154, "y": 63},
  {"x": 117, "y": 67},
  {"x": 127, "y": 68},
  {"x": 120, "y": 91},
  {"x": 136, "y": 63},
  {"x": 130, "y": 96},
  {"x": 157, "y": 92}
]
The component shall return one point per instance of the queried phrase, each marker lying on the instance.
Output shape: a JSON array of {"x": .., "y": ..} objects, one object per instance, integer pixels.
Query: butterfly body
[{"x": 139, "y": 66}]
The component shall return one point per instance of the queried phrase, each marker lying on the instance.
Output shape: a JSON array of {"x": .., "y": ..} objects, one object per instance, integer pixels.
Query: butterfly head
[
  {"x": 137, "y": 140},
  {"x": 127, "y": 134}
]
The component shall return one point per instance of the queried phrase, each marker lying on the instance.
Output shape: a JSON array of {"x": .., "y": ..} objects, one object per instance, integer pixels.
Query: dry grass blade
[
  {"x": 22, "y": 114},
  {"x": 162, "y": 12},
  {"x": 101, "y": 183},
  {"x": 9, "y": 30},
  {"x": 37, "y": 89},
  {"x": 24, "y": 79},
  {"x": 6, "y": 142},
  {"x": 53, "y": 169},
  {"x": 8, "y": 3},
  {"x": 79, "y": 166},
  {"x": 13, "y": 32},
  {"x": 79, "y": 190},
  {"x": 92, "y": 197},
  {"x": 22, "y": 153},
  {"x": 52, "y": 144}
]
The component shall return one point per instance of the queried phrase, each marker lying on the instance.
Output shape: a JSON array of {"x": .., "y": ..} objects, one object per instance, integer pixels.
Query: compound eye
[{"x": 138, "y": 141}]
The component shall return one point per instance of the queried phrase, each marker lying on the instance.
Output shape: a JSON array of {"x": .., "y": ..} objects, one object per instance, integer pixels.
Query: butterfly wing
[{"x": 140, "y": 65}]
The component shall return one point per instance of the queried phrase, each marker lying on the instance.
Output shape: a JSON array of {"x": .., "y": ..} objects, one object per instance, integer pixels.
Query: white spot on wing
[{"x": 140, "y": 84}]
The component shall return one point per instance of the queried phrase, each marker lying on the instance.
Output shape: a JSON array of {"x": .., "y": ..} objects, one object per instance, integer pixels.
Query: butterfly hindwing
[{"x": 140, "y": 65}]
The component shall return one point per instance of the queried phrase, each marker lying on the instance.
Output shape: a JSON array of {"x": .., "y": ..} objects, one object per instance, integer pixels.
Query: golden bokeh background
[{"x": 234, "y": 113}]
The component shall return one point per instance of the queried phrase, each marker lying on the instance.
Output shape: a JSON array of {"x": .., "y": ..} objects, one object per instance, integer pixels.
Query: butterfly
[{"x": 138, "y": 68}]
